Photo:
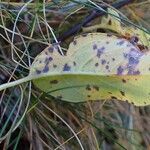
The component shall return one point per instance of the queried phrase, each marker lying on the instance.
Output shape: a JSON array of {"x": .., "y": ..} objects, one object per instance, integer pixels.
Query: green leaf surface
[{"x": 97, "y": 66}]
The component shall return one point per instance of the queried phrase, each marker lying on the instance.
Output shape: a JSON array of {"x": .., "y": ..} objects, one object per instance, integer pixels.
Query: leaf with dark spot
[
  {"x": 113, "y": 97},
  {"x": 66, "y": 67},
  {"x": 122, "y": 93},
  {"x": 54, "y": 81},
  {"x": 110, "y": 71},
  {"x": 96, "y": 88},
  {"x": 124, "y": 81}
]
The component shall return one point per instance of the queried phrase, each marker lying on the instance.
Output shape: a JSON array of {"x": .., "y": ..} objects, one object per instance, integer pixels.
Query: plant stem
[{"x": 14, "y": 83}]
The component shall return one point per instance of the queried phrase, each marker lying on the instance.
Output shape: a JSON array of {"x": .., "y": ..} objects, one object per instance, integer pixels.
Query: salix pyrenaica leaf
[{"x": 97, "y": 66}]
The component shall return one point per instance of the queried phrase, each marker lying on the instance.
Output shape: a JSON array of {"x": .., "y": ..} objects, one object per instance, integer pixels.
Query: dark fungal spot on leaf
[
  {"x": 88, "y": 95},
  {"x": 124, "y": 81},
  {"x": 109, "y": 22},
  {"x": 66, "y": 67},
  {"x": 50, "y": 58},
  {"x": 129, "y": 45},
  {"x": 47, "y": 60},
  {"x": 109, "y": 93},
  {"x": 122, "y": 93},
  {"x": 143, "y": 48},
  {"x": 121, "y": 42},
  {"x": 120, "y": 70},
  {"x": 74, "y": 42},
  {"x": 133, "y": 57},
  {"x": 136, "y": 72},
  {"x": 107, "y": 67},
  {"x": 132, "y": 72},
  {"x": 51, "y": 49},
  {"x": 54, "y": 81},
  {"x": 88, "y": 88},
  {"x": 103, "y": 61},
  {"x": 113, "y": 97},
  {"x": 96, "y": 64},
  {"x": 74, "y": 63},
  {"x": 46, "y": 69},
  {"x": 100, "y": 51},
  {"x": 54, "y": 66},
  {"x": 134, "y": 40},
  {"x": 125, "y": 55},
  {"x": 113, "y": 59},
  {"x": 38, "y": 71},
  {"x": 96, "y": 88},
  {"x": 133, "y": 60},
  {"x": 94, "y": 46}
]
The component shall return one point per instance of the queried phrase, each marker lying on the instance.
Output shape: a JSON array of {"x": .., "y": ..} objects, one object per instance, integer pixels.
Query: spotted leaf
[{"x": 97, "y": 66}]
